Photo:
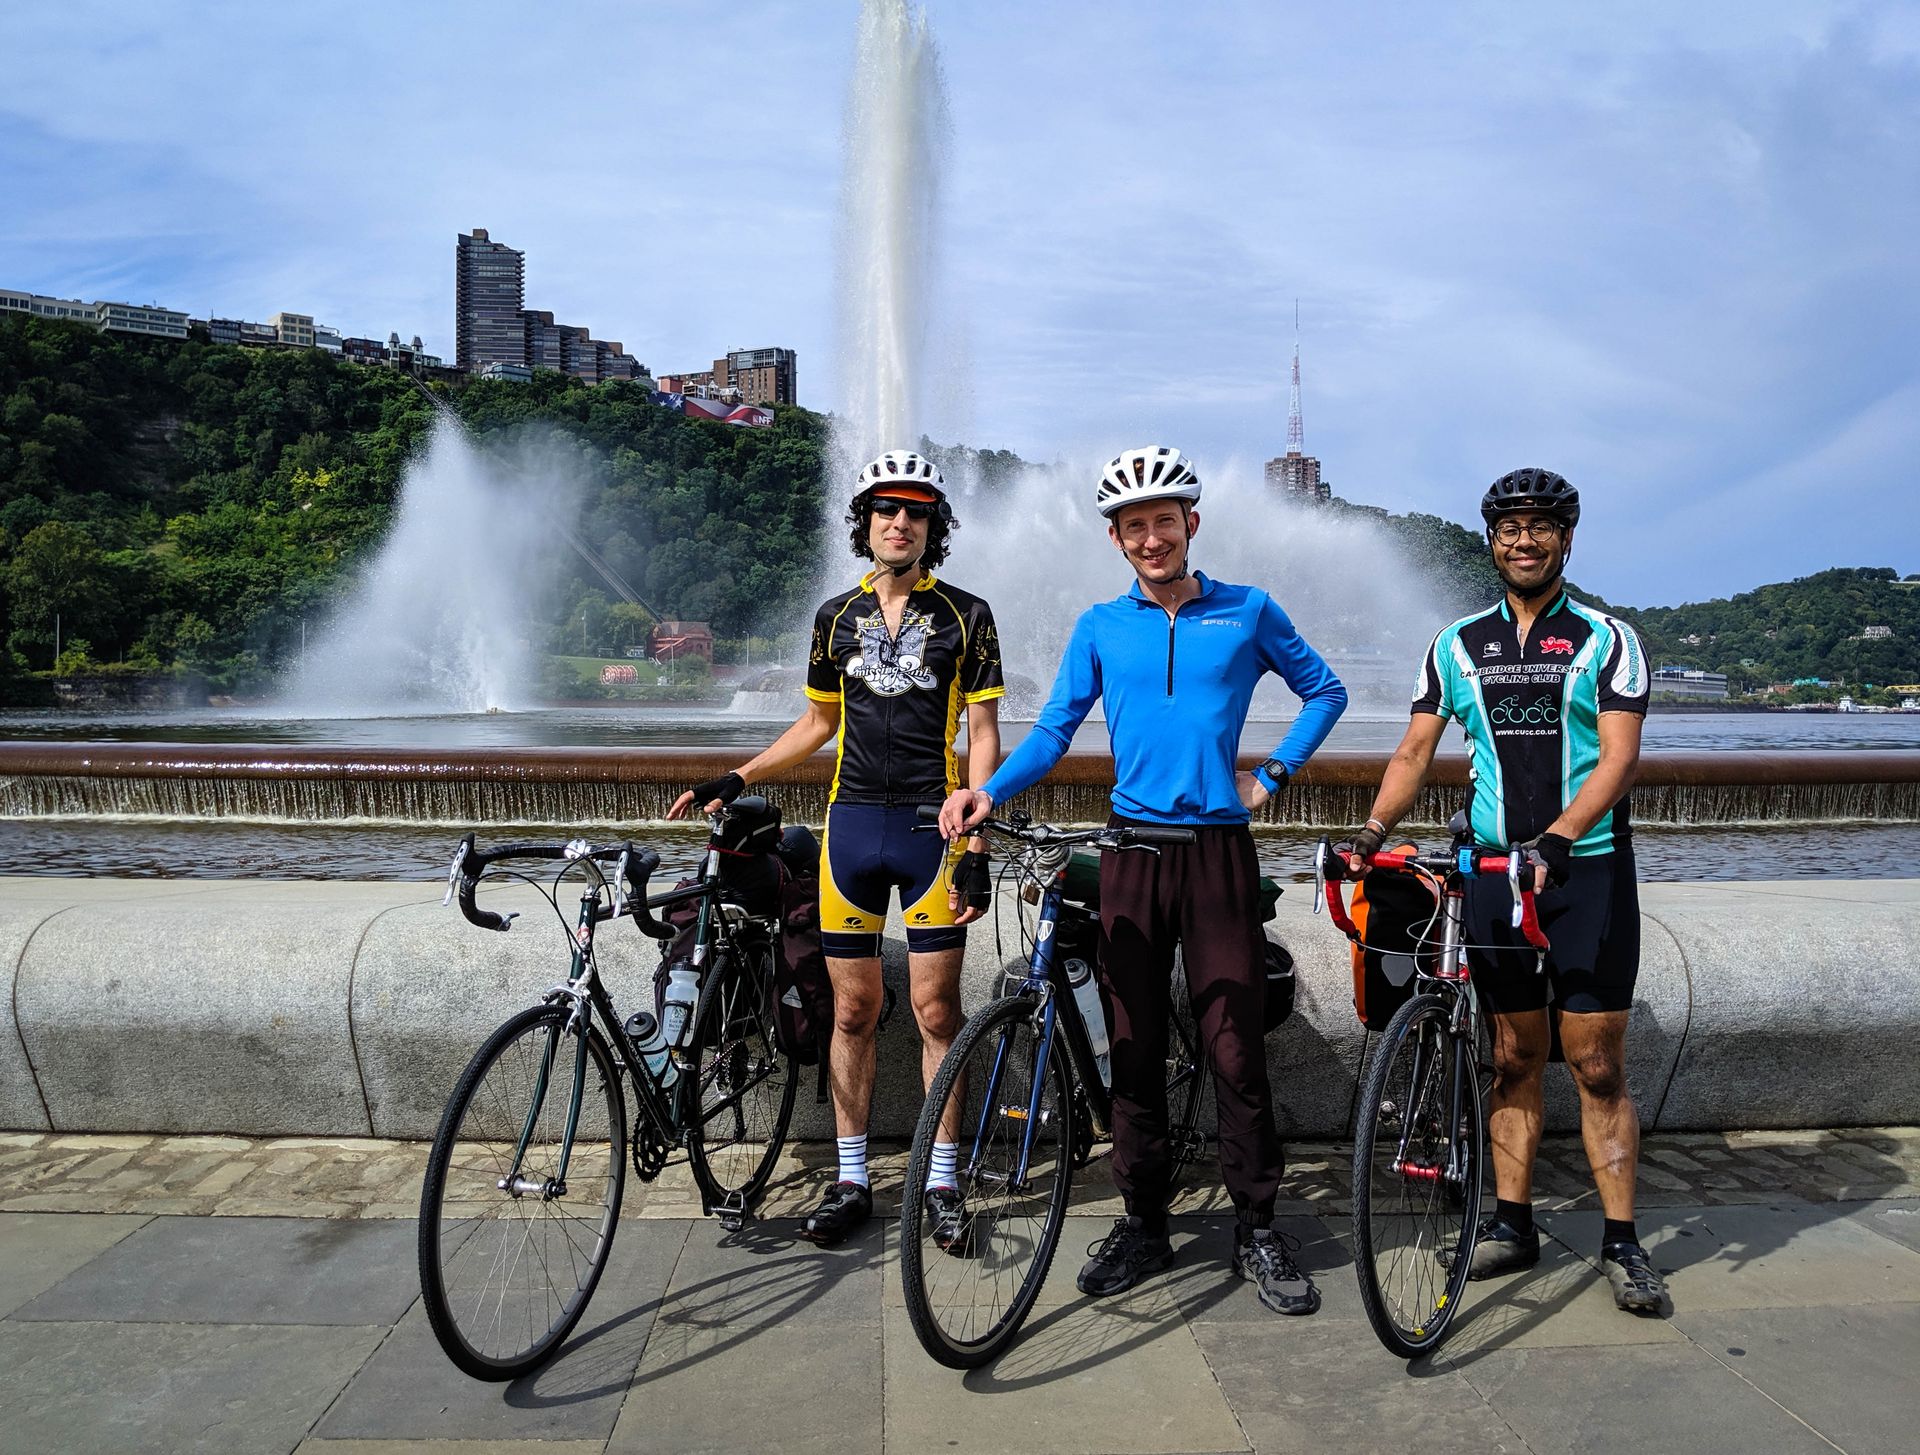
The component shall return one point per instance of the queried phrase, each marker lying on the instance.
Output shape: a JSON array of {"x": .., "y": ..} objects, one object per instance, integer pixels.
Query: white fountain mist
[
  {"x": 1034, "y": 546},
  {"x": 438, "y": 623}
]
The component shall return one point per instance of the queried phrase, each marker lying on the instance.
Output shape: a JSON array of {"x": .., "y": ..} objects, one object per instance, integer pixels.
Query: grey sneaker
[
  {"x": 1124, "y": 1257},
  {"x": 1266, "y": 1257},
  {"x": 1498, "y": 1249},
  {"x": 1636, "y": 1287}
]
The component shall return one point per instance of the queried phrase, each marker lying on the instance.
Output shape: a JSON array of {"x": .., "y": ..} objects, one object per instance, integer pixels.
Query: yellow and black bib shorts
[{"x": 867, "y": 850}]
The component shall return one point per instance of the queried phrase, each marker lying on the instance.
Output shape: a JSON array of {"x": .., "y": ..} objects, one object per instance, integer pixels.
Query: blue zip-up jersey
[{"x": 1176, "y": 692}]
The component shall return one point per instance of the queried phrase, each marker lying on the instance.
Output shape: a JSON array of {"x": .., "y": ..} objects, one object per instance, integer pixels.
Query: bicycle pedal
[{"x": 732, "y": 1211}]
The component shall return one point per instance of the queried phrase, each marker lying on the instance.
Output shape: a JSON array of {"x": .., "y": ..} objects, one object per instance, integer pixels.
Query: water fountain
[{"x": 438, "y": 622}]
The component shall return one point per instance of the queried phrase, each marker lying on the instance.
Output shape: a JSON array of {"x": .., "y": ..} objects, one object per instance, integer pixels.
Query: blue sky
[{"x": 1669, "y": 251}]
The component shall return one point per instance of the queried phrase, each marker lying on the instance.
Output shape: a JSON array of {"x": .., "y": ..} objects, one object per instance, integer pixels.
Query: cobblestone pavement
[{"x": 365, "y": 1178}]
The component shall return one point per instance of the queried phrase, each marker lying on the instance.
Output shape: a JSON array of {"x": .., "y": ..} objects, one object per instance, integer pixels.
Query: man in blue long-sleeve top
[{"x": 1174, "y": 663}]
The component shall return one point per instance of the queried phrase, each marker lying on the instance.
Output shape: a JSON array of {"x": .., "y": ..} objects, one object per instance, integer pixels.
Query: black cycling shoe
[
  {"x": 1636, "y": 1287},
  {"x": 952, "y": 1224},
  {"x": 1266, "y": 1257},
  {"x": 1499, "y": 1249},
  {"x": 845, "y": 1206},
  {"x": 1122, "y": 1258}
]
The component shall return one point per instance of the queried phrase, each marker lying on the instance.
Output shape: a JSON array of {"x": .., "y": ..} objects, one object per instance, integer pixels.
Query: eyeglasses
[
  {"x": 888, "y": 509},
  {"x": 1508, "y": 532}
]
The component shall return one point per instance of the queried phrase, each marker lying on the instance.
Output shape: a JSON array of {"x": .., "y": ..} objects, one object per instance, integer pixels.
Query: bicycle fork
[{"x": 1027, "y": 1116}]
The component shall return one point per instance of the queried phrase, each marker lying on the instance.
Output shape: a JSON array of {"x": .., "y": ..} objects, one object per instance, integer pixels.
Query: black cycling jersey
[
  {"x": 1532, "y": 713},
  {"x": 901, "y": 693}
]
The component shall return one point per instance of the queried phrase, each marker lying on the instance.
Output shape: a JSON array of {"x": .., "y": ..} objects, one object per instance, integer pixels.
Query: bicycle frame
[{"x": 670, "y": 1114}]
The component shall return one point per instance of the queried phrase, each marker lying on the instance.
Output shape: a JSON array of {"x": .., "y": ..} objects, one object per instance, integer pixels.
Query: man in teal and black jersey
[
  {"x": 1551, "y": 695},
  {"x": 896, "y": 662}
]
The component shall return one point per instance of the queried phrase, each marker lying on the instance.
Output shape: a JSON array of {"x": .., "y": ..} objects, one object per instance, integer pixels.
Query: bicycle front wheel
[
  {"x": 970, "y": 1285},
  {"x": 746, "y": 1087},
  {"x": 1417, "y": 1152},
  {"x": 510, "y": 1250}
]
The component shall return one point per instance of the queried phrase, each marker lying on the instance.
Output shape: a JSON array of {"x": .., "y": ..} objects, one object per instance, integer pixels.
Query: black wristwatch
[{"x": 1277, "y": 771}]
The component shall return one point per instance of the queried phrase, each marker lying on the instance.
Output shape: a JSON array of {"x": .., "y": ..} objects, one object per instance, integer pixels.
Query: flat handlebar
[{"x": 1044, "y": 835}]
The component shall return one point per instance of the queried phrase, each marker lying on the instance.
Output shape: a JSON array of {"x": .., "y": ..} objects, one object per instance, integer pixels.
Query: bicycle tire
[
  {"x": 501, "y": 1298},
  {"x": 1414, "y": 1234},
  {"x": 967, "y": 1306},
  {"x": 747, "y": 1086}
]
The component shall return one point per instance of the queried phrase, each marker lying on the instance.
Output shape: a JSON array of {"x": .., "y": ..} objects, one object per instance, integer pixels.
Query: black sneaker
[
  {"x": 1636, "y": 1287},
  {"x": 1499, "y": 1249},
  {"x": 845, "y": 1206},
  {"x": 1266, "y": 1257},
  {"x": 950, "y": 1221},
  {"x": 1122, "y": 1258}
]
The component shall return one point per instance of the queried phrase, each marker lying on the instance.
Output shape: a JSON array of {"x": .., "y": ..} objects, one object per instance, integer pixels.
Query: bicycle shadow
[
  {"x": 1780, "y": 1243},
  {"x": 721, "y": 1295}
]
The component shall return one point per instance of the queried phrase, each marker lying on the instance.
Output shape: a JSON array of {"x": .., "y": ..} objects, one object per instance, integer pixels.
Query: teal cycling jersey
[{"x": 1531, "y": 713}]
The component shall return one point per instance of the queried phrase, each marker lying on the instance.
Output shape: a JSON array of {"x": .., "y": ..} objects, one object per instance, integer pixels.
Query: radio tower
[
  {"x": 1297, "y": 473},
  {"x": 1295, "y": 435}
]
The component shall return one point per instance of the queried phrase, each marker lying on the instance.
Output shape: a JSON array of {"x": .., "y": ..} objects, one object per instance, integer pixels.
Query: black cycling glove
[
  {"x": 726, "y": 788},
  {"x": 1556, "y": 852},
  {"x": 971, "y": 879}
]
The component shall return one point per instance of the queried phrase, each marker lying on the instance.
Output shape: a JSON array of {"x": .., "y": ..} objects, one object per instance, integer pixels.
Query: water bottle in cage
[
  {"x": 676, "y": 1010},
  {"x": 649, "y": 1040},
  {"x": 1086, "y": 994}
]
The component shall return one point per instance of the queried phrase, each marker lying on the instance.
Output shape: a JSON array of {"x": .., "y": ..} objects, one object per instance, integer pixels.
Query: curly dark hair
[{"x": 940, "y": 526}]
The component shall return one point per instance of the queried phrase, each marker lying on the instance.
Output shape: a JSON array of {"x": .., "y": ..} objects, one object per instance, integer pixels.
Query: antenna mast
[{"x": 1295, "y": 435}]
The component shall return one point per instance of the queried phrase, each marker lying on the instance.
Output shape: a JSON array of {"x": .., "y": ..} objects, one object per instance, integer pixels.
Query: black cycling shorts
[{"x": 1593, "y": 923}]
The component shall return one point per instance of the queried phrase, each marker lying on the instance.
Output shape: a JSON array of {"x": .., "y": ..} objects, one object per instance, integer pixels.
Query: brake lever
[
  {"x": 620, "y": 884},
  {"x": 453, "y": 874},
  {"x": 1513, "y": 884},
  {"x": 1320, "y": 852}
]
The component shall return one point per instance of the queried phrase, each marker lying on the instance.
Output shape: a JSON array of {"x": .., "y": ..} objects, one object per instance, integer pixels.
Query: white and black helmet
[
  {"x": 1152, "y": 472},
  {"x": 903, "y": 467}
]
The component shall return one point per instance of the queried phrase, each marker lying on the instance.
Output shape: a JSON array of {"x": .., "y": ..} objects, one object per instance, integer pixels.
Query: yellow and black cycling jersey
[{"x": 901, "y": 692}]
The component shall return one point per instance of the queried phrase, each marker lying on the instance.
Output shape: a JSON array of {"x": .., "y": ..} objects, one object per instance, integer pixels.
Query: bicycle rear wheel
[
  {"x": 1417, "y": 1151},
  {"x": 746, "y": 1086},
  {"x": 506, "y": 1272},
  {"x": 1188, "y": 1076},
  {"x": 967, "y": 1301}
]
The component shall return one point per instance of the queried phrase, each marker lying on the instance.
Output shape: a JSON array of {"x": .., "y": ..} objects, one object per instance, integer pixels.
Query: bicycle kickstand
[{"x": 732, "y": 1210}]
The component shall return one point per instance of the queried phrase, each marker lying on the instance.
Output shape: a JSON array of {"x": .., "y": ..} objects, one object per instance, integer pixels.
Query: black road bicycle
[
  {"x": 1022, "y": 1093},
  {"x": 1419, "y": 1140},
  {"x": 523, "y": 1185}
]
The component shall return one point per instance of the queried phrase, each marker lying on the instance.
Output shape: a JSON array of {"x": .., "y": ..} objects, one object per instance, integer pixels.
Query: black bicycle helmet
[{"x": 1532, "y": 489}]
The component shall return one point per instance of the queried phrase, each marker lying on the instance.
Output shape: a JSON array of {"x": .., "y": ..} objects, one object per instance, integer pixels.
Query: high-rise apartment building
[
  {"x": 763, "y": 376},
  {"x": 489, "y": 291}
]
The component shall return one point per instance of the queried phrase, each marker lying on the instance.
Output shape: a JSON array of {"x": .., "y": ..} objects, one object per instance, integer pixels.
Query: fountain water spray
[{"x": 438, "y": 623}]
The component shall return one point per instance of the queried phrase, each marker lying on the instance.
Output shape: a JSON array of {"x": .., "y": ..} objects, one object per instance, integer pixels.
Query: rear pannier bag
[{"x": 1392, "y": 909}]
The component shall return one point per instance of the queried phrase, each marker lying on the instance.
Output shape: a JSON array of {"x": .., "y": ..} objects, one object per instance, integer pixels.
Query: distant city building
[
  {"x": 149, "y": 320},
  {"x": 295, "y": 330},
  {"x": 1875, "y": 633},
  {"x": 1296, "y": 472},
  {"x": 489, "y": 294},
  {"x": 763, "y": 376},
  {"x": 1681, "y": 682},
  {"x": 363, "y": 351},
  {"x": 542, "y": 336},
  {"x": 516, "y": 373},
  {"x": 327, "y": 340}
]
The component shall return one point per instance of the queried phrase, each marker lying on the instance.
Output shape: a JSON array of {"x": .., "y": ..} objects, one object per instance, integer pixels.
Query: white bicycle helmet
[
  {"x": 1152, "y": 472},
  {"x": 903, "y": 467}
]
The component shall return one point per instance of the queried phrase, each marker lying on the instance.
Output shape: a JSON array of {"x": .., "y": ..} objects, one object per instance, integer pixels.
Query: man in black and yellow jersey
[{"x": 895, "y": 662}]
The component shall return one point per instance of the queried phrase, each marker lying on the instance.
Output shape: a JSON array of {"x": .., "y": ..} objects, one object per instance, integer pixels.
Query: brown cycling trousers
[{"x": 1204, "y": 897}]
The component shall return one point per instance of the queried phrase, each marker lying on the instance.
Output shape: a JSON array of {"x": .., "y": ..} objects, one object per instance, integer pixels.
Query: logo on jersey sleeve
[{"x": 891, "y": 665}]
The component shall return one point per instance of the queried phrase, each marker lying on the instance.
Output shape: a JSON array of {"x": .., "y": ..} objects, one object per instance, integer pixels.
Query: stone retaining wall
[{"x": 335, "y": 1009}]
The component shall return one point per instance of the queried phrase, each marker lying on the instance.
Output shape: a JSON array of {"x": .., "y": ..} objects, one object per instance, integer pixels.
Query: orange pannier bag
[{"x": 1391, "y": 909}]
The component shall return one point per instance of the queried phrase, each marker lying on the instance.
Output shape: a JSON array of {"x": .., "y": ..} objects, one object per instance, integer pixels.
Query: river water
[{"x": 222, "y": 849}]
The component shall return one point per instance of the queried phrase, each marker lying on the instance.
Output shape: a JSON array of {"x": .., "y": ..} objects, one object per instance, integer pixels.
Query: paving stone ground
[{"x": 229, "y": 1294}]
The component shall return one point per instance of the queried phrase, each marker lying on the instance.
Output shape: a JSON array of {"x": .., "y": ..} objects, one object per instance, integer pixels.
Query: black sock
[
  {"x": 1153, "y": 1224},
  {"x": 1516, "y": 1215},
  {"x": 1616, "y": 1230}
]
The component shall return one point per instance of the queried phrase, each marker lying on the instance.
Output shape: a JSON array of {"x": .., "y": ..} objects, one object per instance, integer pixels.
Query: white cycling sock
[
  {"x": 853, "y": 1159},
  {"x": 946, "y": 1161}
]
